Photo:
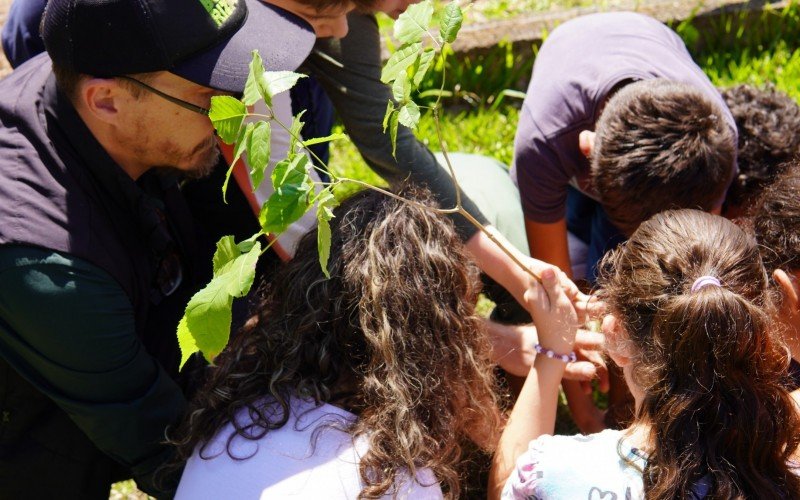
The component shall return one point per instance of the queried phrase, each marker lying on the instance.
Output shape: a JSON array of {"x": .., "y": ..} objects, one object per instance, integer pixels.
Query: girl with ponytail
[{"x": 689, "y": 323}]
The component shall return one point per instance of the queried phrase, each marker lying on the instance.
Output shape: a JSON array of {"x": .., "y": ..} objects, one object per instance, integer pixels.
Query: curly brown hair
[
  {"x": 392, "y": 336},
  {"x": 775, "y": 220},
  {"x": 709, "y": 362},
  {"x": 659, "y": 145},
  {"x": 769, "y": 135}
]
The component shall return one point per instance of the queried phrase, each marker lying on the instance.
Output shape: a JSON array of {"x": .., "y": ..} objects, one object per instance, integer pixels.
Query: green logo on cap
[{"x": 219, "y": 10}]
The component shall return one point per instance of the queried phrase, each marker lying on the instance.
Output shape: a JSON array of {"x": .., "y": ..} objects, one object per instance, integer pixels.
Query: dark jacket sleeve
[
  {"x": 68, "y": 328},
  {"x": 349, "y": 69}
]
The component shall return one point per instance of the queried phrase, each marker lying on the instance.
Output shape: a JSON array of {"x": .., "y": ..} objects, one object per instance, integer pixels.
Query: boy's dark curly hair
[{"x": 769, "y": 135}]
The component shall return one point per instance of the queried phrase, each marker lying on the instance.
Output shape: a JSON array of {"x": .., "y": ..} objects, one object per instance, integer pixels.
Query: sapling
[{"x": 206, "y": 324}]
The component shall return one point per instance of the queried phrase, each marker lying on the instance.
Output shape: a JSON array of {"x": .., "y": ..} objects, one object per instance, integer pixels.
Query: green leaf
[
  {"x": 281, "y": 81},
  {"x": 401, "y": 89},
  {"x": 226, "y": 252},
  {"x": 325, "y": 205},
  {"x": 206, "y": 324},
  {"x": 256, "y": 86},
  {"x": 290, "y": 171},
  {"x": 422, "y": 65},
  {"x": 208, "y": 317},
  {"x": 393, "y": 126},
  {"x": 450, "y": 22},
  {"x": 186, "y": 342},
  {"x": 294, "y": 132},
  {"x": 258, "y": 152},
  {"x": 292, "y": 197},
  {"x": 400, "y": 61},
  {"x": 240, "y": 273},
  {"x": 319, "y": 140},
  {"x": 413, "y": 23},
  {"x": 227, "y": 114},
  {"x": 389, "y": 110},
  {"x": 409, "y": 115},
  {"x": 241, "y": 145}
]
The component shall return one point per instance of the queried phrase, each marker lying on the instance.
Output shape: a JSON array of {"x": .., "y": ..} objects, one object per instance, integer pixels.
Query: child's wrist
[{"x": 566, "y": 354}]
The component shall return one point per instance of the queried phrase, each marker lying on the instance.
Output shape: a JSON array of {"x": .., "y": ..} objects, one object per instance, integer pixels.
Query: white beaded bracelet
[{"x": 566, "y": 358}]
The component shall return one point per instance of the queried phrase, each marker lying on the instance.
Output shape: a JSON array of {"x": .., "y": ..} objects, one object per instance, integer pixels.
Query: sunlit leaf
[
  {"x": 401, "y": 89},
  {"x": 414, "y": 22},
  {"x": 389, "y": 111},
  {"x": 450, "y": 22},
  {"x": 281, "y": 81},
  {"x": 294, "y": 132},
  {"x": 258, "y": 152},
  {"x": 256, "y": 86},
  {"x": 393, "y": 127},
  {"x": 400, "y": 61},
  {"x": 326, "y": 202},
  {"x": 227, "y": 114},
  {"x": 285, "y": 207},
  {"x": 422, "y": 65},
  {"x": 241, "y": 146},
  {"x": 208, "y": 317},
  {"x": 319, "y": 140},
  {"x": 185, "y": 342},
  {"x": 226, "y": 252},
  {"x": 409, "y": 115}
]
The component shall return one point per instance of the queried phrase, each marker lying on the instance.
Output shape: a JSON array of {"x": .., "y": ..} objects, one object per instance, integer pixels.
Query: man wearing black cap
[{"x": 98, "y": 255}]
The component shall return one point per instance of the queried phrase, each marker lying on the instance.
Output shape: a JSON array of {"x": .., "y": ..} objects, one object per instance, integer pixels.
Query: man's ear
[
  {"x": 100, "y": 97},
  {"x": 617, "y": 343},
  {"x": 586, "y": 142},
  {"x": 789, "y": 289}
]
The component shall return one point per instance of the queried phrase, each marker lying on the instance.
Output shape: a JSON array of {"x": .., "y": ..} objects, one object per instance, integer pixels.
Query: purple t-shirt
[{"x": 577, "y": 66}]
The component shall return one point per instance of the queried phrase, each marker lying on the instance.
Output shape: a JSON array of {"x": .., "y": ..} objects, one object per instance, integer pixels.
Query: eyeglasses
[{"x": 173, "y": 100}]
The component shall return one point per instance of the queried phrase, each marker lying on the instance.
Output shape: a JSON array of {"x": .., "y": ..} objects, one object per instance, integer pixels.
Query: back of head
[
  {"x": 392, "y": 335},
  {"x": 776, "y": 221},
  {"x": 660, "y": 145},
  {"x": 705, "y": 358},
  {"x": 769, "y": 135}
]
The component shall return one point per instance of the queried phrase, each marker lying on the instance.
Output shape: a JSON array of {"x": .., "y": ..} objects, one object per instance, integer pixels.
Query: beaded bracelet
[{"x": 566, "y": 358}]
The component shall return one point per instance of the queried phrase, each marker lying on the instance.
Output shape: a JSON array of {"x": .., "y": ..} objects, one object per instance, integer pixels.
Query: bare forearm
[{"x": 533, "y": 415}]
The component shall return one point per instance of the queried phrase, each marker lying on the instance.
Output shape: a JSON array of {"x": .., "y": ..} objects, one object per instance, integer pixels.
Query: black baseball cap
[{"x": 208, "y": 42}]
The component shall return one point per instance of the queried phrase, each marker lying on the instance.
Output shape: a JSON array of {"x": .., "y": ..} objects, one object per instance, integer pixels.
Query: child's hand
[{"x": 553, "y": 312}]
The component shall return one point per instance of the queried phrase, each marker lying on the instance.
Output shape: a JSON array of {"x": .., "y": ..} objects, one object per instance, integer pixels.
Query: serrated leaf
[
  {"x": 258, "y": 152},
  {"x": 294, "y": 132},
  {"x": 319, "y": 140},
  {"x": 186, "y": 342},
  {"x": 413, "y": 23},
  {"x": 409, "y": 115},
  {"x": 325, "y": 205},
  {"x": 393, "y": 126},
  {"x": 401, "y": 89},
  {"x": 290, "y": 171},
  {"x": 240, "y": 273},
  {"x": 285, "y": 207},
  {"x": 400, "y": 61},
  {"x": 389, "y": 110},
  {"x": 226, "y": 252},
  {"x": 450, "y": 22},
  {"x": 281, "y": 81},
  {"x": 241, "y": 146},
  {"x": 256, "y": 86},
  {"x": 227, "y": 114},
  {"x": 208, "y": 317},
  {"x": 422, "y": 65},
  {"x": 292, "y": 197}
]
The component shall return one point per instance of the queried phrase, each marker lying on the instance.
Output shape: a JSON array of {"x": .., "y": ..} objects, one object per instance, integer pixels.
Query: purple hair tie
[{"x": 704, "y": 281}]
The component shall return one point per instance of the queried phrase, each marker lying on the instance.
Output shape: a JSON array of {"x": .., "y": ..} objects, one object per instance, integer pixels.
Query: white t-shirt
[{"x": 290, "y": 462}]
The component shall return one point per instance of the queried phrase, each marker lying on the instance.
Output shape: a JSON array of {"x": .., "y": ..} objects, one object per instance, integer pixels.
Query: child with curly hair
[
  {"x": 367, "y": 384},
  {"x": 690, "y": 323},
  {"x": 776, "y": 224}
]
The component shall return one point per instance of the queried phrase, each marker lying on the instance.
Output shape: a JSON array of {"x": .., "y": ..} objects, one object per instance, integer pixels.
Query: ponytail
[{"x": 707, "y": 359}]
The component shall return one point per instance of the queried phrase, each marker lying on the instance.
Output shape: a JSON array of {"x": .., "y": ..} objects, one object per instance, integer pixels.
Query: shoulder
[{"x": 575, "y": 466}]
